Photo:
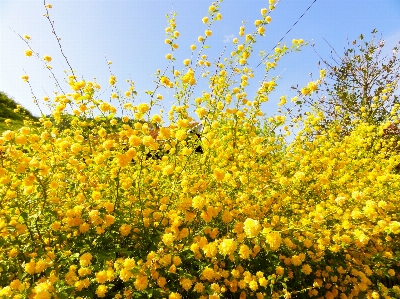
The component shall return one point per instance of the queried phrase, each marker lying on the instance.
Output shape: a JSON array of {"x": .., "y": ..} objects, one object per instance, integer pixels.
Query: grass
[{"x": 8, "y": 108}]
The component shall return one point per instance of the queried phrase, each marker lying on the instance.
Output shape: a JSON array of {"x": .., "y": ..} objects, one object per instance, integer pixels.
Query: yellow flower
[
  {"x": 244, "y": 251},
  {"x": 186, "y": 283},
  {"x": 47, "y": 58},
  {"x": 112, "y": 80},
  {"x": 30, "y": 267},
  {"x": 264, "y": 11},
  {"x": 168, "y": 239},
  {"x": 27, "y": 36},
  {"x": 25, "y": 78},
  {"x": 219, "y": 174},
  {"x": 176, "y": 33},
  {"x": 306, "y": 269},
  {"x": 176, "y": 260},
  {"x": 208, "y": 32},
  {"x": 135, "y": 141},
  {"x": 186, "y": 62},
  {"x": 200, "y": 39},
  {"x": 268, "y": 19},
  {"x": 198, "y": 202},
  {"x": 279, "y": 270},
  {"x": 84, "y": 228},
  {"x": 199, "y": 287},
  {"x": 17, "y": 285},
  {"x": 204, "y": 20},
  {"x": 251, "y": 227},
  {"x": 141, "y": 283},
  {"x": 174, "y": 296},
  {"x": 28, "y": 52},
  {"x": 227, "y": 247},
  {"x": 261, "y": 30},
  {"x": 13, "y": 253},
  {"x": 161, "y": 281},
  {"x": 208, "y": 274},
  {"x": 193, "y": 47},
  {"x": 85, "y": 259},
  {"x": 148, "y": 141},
  {"x": 101, "y": 290},
  {"x": 201, "y": 112},
  {"x": 56, "y": 226},
  {"x": 296, "y": 260},
  {"x": 48, "y": 6},
  {"x": 156, "y": 118},
  {"x": 125, "y": 229},
  {"x": 180, "y": 134},
  {"x": 273, "y": 239},
  {"x": 253, "y": 285},
  {"x": 101, "y": 276},
  {"x": 143, "y": 108}
]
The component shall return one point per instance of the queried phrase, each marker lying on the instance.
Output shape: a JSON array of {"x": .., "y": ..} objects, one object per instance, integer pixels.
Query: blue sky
[{"x": 131, "y": 35}]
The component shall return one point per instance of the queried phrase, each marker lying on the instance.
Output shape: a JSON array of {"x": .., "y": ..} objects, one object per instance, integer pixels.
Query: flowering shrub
[{"x": 253, "y": 216}]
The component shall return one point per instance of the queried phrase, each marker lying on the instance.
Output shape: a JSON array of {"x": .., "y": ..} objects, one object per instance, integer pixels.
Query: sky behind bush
[{"x": 131, "y": 35}]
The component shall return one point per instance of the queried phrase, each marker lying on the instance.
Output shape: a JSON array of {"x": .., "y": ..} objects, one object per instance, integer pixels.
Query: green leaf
[
  {"x": 62, "y": 296},
  {"x": 206, "y": 47},
  {"x": 23, "y": 216}
]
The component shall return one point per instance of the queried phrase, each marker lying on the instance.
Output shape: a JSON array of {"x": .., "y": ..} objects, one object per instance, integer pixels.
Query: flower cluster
[{"x": 88, "y": 211}]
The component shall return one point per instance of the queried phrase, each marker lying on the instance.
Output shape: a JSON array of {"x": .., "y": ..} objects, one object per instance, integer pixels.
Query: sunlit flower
[
  {"x": 143, "y": 108},
  {"x": 101, "y": 290},
  {"x": 227, "y": 247},
  {"x": 141, "y": 283},
  {"x": 251, "y": 227},
  {"x": 47, "y": 58}
]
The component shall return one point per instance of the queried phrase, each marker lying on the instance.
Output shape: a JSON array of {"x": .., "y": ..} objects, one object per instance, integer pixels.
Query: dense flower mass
[{"x": 93, "y": 206}]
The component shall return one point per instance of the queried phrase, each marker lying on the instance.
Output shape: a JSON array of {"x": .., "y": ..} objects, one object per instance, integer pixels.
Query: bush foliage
[
  {"x": 86, "y": 213},
  {"x": 12, "y": 114}
]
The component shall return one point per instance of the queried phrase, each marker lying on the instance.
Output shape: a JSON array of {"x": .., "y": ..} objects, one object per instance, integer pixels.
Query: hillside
[{"x": 7, "y": 107}]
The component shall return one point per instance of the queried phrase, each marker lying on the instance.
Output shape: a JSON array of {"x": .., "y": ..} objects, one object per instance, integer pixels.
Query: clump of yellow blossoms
[{"x": 127, "y": 208}]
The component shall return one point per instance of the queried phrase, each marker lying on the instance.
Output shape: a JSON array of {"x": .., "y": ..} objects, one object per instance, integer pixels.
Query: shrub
[
  {"x": 251, "y": 217},
  {"x": 362, "y": 83}
]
